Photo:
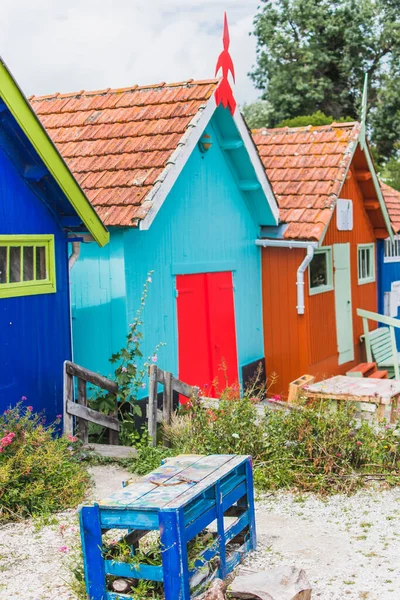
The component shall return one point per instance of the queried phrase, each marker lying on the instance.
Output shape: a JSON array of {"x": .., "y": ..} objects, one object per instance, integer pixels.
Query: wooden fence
[
  {"x": 170, "y": 385},
  {"x": 80, "y": 409}
]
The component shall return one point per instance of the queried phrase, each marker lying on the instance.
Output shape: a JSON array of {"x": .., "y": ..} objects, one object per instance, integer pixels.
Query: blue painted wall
[
  {"x": 204, "y": 225},
  {"x": 387, "y": 273},
  {"x": 35, "y": 330}
]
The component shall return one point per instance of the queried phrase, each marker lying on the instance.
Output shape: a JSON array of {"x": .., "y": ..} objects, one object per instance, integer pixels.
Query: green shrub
[
  {"x": 39, "y": 472},
  {"x": 314, "y": 448}
]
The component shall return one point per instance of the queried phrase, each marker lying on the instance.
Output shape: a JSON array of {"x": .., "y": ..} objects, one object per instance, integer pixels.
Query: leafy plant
[
  {"x": 129, "y": 374},
  {"x": 313, "y": 448},
  {"x": 39, "y": 472}
]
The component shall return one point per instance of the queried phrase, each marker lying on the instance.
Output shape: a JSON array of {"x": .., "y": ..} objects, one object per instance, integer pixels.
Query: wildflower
[
  {"x": 359, "y": 443},
  {"x": 72, "y": 438},
  {"x": 63, "y": 549},
  {"x": 143, "y": 386},
  {"x": 154, "y": 358},
  {"x": 131, "y": 325},
  {"x": 124, "y": 369},
  {"x": 24, "y": 398},
  {"x": 235, "y": 435},
  {"x": 254, "y": 400},
  {"x": 338, "y": 455},
  {"x": 211, "y": 414},
  {"x": 70, "y": 448},
  {"x": 29, "y": 408},
  {"x": 59, "y": 417}
]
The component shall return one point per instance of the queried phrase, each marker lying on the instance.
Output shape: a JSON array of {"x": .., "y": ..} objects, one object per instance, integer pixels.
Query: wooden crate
[
  {"x": 296, "y": 386},
  {"x": 180, "y": 499}
]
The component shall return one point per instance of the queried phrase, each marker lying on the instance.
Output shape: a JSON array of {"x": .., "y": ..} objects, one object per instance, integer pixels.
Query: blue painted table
[{"x": 180, "y": 499}]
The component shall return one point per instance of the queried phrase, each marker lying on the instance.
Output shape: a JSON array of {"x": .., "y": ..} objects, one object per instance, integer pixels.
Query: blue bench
[{"x": 180, "y": 499}]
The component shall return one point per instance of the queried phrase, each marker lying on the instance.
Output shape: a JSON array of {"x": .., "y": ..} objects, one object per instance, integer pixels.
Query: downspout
[
  {"x": 300, "y": 279},
  {"x": 310, "y": 247},
  {"x": 76, "y": 250}
]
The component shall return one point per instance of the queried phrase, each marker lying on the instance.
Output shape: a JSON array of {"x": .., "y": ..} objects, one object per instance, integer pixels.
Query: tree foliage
[{"x": 312, "y": 55}]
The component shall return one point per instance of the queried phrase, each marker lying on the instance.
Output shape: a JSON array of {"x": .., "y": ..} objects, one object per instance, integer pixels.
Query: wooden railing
[
  {"x": 392, "y": 323},
  {"x": 80, "y": 409},
  {"x": 170, "y": 385}
]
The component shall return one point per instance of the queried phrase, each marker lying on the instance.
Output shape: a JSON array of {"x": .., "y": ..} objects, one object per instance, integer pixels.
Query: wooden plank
[
  {"x": 111, "y": 451},
  {"x": 207, "y": 482},
  {"x": 378, "y": 318},
  {"x": 138, "y": 489},
  {"x": 91, "y": 377},
  {"x": 68, "y": 421},
  {"x": 183, "y": 388},
  {"x": 152, "y": 408},
  {"x": 133, "y": 571},
  {"x": 82, "y": 401},
  {"x": 167, "y": 404},
  {"x": 92, "y": 415},
  {"x": 185, "y": 481}
]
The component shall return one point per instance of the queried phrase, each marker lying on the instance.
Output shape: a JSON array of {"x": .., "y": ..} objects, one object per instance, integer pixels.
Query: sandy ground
[{"x": 349, "y": 547}]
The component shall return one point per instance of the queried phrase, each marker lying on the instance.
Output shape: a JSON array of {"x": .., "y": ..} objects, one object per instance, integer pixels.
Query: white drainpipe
[
  {"x": 310, "y": 247},
  {"x": 76, "y": 250}
]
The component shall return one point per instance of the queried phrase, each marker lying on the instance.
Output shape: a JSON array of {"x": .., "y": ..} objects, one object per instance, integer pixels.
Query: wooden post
[
  {"x": 82, "y": 423},
  {"x": 68, "y": 426},
  {"x": 113, "y": 435},
  {"x": 367, "y": 340},
  {"x": 167, "y": 403},
  {"x": 152, "y": 406}
]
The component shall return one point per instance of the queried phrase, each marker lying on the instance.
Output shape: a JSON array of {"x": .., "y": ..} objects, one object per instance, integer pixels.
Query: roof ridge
[{"x": 136, "y": 87}]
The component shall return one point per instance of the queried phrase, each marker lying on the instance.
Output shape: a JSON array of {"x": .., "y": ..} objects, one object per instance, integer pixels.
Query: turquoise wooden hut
[{"x": 178, "y": 182}]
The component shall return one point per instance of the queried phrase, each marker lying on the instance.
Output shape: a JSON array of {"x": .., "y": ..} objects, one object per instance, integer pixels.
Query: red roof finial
[{"x": 223, "y": 93}]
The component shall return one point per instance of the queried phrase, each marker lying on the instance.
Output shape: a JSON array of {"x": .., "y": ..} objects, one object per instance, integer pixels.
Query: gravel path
[
  {"x": 33, "y": 559},
  {"x": 349, "y": 547}
]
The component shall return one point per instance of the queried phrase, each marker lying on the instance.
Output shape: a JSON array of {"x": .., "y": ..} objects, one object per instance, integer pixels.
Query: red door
[{"x": 206, "y": 330}]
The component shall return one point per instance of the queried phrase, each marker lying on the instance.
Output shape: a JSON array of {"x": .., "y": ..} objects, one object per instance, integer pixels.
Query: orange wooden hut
[{"x": 319, "y": 264}]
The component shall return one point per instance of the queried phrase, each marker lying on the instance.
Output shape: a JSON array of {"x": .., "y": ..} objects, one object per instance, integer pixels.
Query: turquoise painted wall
[{"x": 204, "y": 225}]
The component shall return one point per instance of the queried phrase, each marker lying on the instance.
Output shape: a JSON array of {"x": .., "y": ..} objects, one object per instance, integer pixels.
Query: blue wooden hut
[
  {"x": 40, "y": 205},
  {"x": 389, "y": 260},
  {"x": 177, "y": 180}
]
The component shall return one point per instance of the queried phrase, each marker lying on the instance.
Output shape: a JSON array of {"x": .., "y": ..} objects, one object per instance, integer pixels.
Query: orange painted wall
[{"x": 297, "y": 344}]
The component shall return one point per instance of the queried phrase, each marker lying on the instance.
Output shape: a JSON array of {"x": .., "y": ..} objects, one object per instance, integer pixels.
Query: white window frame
[
  {"x": 370, "y": 278},
  {"x": 327, "y": 250},
  {"x": 391, "y": 250}
]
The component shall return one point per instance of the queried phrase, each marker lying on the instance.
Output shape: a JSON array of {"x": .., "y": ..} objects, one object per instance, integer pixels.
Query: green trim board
[
  {"x": 365, "y": 263},
  {"x": 27, "y": 265},
  {"x": 343, "y": 303},
  {"x": 328, "y": 287},
  {"x": 25, "y": 116}
]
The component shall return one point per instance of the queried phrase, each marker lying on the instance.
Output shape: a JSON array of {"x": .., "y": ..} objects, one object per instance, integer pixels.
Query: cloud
[{"x": 59, "y": 46}]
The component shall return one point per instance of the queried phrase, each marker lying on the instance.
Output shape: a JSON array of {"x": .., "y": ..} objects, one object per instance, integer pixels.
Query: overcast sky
[{"x": 69, "y": 45}]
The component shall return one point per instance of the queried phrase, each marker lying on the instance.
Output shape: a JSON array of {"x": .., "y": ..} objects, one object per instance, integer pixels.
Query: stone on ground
[
  {"x": 216, "y": 591},
  {"x": 280, "y": 583}
]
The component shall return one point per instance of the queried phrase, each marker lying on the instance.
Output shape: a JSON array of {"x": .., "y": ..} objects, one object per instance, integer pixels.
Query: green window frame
[
  {"x": 366, "y": 263},
  {"x": 27, "y": 265},
  {"x": 320, "y": 271}
]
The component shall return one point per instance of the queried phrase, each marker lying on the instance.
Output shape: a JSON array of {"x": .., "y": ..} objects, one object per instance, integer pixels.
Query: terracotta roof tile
[
  {"x": 117, "y": 142},
  {"x": 392, "y": 201},
  {"x": 306, "y": 167}
]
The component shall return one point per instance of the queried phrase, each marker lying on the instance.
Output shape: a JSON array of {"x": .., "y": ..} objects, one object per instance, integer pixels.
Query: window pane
[
  {"x": 15, "y": 264},
  {"x": 41, "y": 263},
  {"x": 28, "y": 263},
  {"x": 3, "y": 264},
  {"x": 319, "y": 270}
]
